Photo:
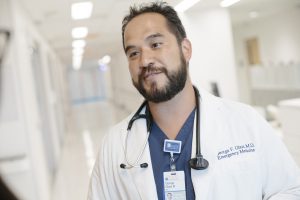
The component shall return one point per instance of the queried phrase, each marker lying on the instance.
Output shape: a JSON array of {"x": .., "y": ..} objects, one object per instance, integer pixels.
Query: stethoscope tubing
[{"x": 134, "y": 164}]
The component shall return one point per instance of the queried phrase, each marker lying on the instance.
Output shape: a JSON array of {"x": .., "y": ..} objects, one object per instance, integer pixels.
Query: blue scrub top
[{"x": 161, "y": 160}]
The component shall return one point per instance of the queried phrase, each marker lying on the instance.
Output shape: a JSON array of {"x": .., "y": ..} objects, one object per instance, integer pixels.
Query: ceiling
[{"x": 53, "y": 19}]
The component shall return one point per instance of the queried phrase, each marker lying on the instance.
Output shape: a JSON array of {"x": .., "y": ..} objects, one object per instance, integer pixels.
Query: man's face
[{"x": 157, "y": 64}]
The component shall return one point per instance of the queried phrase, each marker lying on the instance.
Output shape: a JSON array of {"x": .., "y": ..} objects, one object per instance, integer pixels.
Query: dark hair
[{"x": 173, "y": 21}]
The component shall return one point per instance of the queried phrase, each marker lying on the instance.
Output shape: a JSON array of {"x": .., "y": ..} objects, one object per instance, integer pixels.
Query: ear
[{"x": 186, "y": 48}]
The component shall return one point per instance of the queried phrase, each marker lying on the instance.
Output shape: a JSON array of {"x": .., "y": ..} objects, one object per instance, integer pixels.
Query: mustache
[{"x": 153, "y": 69}]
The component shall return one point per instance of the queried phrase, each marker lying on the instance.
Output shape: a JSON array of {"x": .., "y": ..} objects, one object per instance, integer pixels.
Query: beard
[{"x": 175, "y": 83}]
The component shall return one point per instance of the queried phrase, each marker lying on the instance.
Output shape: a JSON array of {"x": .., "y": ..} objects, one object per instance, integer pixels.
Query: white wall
[
  {"x": 213, "y": 54},
  {"x": 24, "y": 150},
  {"x": 279, "y": 44}
]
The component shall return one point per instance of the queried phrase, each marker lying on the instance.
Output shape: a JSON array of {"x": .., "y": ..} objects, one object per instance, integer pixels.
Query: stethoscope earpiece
[
  {"x": 198, "y": 163},
  {"x": 123, "y": 166},
  {"x": 143, "y": 165}
]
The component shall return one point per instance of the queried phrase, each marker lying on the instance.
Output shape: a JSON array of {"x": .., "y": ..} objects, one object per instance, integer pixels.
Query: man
[{"x": 246, "y": 160}]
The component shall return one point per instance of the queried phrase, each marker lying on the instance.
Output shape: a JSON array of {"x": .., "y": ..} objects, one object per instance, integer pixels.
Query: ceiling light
[
  {"x": 105, "y": 60},
  {"x": 78, "y": 43},
  {"x": 79, "y": 32},
  {"x": 77, "y": 62},
  {"x": 77, "y": 51},
  {"x": 253, "y": 14},
  {"x": 82, "y": 10},
  {"x": 227, "y": 3},
  {"x": 185, "y": 5}
]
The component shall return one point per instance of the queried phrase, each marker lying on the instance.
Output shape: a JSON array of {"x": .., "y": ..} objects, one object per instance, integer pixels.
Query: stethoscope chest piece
[{"x": 198, "y": 163}]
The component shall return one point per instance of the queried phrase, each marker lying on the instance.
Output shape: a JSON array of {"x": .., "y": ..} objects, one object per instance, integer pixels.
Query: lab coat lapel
[
  {"x": 209, "y": 109},
  {"x": 143, "y": 177}
]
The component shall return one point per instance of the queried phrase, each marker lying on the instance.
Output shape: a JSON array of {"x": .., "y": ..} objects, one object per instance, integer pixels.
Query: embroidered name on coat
[{"x": 236, "y": 150}]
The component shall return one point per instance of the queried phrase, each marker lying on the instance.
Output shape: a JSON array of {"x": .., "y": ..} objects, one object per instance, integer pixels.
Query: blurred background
[{"x": 65, "y": 80}]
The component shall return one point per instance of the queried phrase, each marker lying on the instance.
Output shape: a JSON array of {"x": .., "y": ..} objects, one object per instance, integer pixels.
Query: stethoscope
[{"x": 197, "y": 163}]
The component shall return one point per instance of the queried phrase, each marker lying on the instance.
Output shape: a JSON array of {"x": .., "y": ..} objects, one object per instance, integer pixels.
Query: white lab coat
[{"x": 227, "y": 127}]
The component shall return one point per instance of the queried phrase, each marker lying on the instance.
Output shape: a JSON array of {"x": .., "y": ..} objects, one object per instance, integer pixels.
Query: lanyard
[
  {"x": 172, "y": 146},
  {"x": 172, "y": 162}
]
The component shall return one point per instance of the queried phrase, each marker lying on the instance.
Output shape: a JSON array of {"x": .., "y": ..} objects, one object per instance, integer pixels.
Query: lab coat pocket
[{"x": 236, "y": 178}]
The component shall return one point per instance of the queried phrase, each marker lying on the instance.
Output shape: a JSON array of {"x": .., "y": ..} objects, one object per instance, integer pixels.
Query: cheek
[
  {"x": 175, "y": 59},
  {"x": 174, "y": 51},
  {"x": 133, "y": 70}
]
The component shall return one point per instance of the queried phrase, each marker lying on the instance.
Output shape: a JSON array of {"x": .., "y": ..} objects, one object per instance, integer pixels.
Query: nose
[{"x": 146, "y": 58}]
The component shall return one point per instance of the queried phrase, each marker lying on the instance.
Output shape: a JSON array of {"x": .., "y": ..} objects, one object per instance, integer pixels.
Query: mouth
[{"x": 151, "y": 72}]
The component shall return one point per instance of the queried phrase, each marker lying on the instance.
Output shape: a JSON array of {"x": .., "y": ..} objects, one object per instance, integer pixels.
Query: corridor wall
[
  {"x": 32, "y": 108},
  {"x": 278, "y": 36},
  {"x": 213, "y": 59}
]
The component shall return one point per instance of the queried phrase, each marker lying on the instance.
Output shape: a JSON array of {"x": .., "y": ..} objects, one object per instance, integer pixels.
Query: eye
[
  {"x": 132, "y": 54},
  {"x": 156, "y": 45}
]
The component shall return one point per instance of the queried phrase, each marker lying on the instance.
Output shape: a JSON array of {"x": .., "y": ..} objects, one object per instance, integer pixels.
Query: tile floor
[{"x": 86, "y": 126}]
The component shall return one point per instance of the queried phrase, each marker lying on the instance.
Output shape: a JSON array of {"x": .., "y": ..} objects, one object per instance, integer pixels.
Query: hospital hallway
[{"x": 65, "y": 79}]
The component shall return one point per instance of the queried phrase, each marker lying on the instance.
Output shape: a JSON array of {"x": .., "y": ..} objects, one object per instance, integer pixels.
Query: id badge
[
  {"x": 174, "y": 185},
  {"x": 172, "y": 146}
]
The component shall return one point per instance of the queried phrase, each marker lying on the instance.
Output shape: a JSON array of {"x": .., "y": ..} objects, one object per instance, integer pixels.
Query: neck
[{"x": 171, "y": 115}]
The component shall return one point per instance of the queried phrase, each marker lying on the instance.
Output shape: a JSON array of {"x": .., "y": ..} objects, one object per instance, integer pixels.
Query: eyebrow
[{"x": 155, "y": 35}]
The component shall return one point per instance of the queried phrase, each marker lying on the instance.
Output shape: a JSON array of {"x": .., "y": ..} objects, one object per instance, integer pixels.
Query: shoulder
[
  {"x": 246, "y": 115},
  {"x": 237, "y": 118},
  {"x": 229, "y": 108},
  {"x": 238, "y": 109}
]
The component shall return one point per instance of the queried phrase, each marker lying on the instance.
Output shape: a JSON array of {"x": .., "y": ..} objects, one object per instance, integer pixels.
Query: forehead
[{"x": 144, "y": 24}]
